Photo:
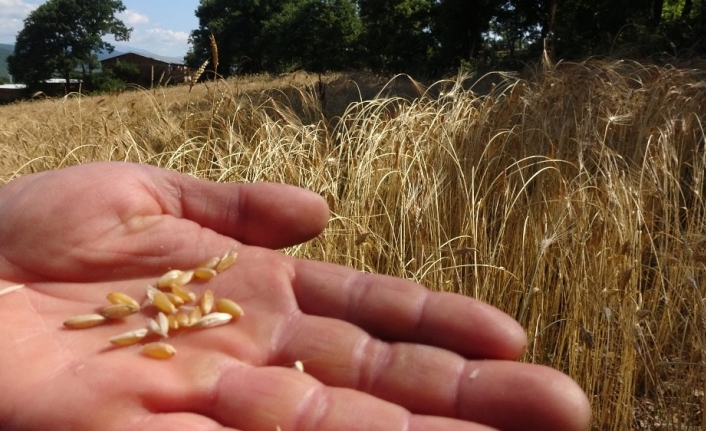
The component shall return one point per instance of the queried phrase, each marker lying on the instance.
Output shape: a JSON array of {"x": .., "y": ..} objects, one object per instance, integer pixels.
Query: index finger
[{"x": 395, "y": 309}]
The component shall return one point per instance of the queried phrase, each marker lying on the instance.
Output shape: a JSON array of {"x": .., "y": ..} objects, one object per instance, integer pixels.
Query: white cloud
[
  {"x": 168, "y": 36},
  {"x": 131, "y": 17},
  {"x": 157, "y": 40},
  {"x": 12, "y": 15},
  {"x": 16, "y": 8}
]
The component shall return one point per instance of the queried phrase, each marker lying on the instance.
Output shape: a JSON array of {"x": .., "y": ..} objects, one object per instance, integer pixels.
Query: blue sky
[{"x": 159, "y": 26}]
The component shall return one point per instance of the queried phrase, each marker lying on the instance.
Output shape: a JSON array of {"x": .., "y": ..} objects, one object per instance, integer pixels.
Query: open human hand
[{"x": 380, "y": 353}]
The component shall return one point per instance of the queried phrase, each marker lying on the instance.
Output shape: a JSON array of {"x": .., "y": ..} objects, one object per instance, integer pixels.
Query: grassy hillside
[{"x": 572, "y": 200}]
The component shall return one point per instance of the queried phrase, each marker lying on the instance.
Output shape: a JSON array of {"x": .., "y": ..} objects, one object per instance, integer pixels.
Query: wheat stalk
[
  {"x": 214, "y": 53},
  {"x": 196, "y": 75}
]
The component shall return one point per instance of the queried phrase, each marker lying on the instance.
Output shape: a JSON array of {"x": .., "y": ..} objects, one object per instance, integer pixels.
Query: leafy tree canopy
[
  {"x": 274, "y": 35},
  {"x": 62, "y": 35},
  {"x": 237, "y": 26},
  {"x": 435, "y": 37},
  {"x": 312, "y": 34},
  {"x": 397, "y": 34}
]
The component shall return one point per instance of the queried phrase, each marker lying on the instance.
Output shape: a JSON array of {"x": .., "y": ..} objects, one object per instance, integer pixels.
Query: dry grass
[{"x": 572, "y": 200}]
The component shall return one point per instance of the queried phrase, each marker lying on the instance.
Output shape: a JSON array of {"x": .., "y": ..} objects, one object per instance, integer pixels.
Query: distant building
[
  {"x": 153, "y": 69},
  {"x": 11, "y": 92},
  {"x": 50, "y": 87}
]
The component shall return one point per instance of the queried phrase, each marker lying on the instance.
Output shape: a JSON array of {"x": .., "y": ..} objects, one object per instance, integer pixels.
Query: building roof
[
  {"x": 61, "y": 81},
  {"x": 12, "y": 87},
  {"x": 46, "y": 81},
  {"x": 161, "y": 58}
]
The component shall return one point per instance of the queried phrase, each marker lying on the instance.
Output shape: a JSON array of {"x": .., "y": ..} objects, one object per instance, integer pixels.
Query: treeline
[{"x": 430, "y": 37}]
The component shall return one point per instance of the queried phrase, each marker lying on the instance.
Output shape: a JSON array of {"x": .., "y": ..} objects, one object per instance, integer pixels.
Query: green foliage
[
  {"x": 237, "y": 26},
  {"x": 459, "y": 26},
  {"x": 684, "y": 25},
  {"x": 103, "y": 82},
  {"x": 128, "y": 73},
  {"x": 312, "y": 34},
  {"x": 433, "y": 37},
  {"x": 63, "y": 35},
  {"x": 622, "y": 28},
  {"x": 115, "y": 78},
  {"x": 275, "y": 35},
  {"x": 396, "y": 34}
]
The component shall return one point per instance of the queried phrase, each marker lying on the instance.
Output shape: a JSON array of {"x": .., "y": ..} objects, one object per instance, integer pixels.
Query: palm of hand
[{"x": 73, "y": 236}]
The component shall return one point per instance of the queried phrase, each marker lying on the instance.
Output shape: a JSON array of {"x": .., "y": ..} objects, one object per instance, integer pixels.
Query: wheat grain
[
  {"x": 205, "y": 273},
  {"x": 225, "y": 305},
  {"x": 159, "y": 325},
  {"x": 118, "y": 298},
  {"x": 118, "y": 311},
  {"x": 166, "y": 280},
  {"x": 85, "y": 321},
  {"x": 184, "y": 293},
  {"x": 194, "y": 316},
  {"x": 162, "y": 302},
  {"x": 129, "y": 338},
  {"x": 206, "y": 302},
  {"x": 174, "y": 299},
  {"x": 210, "y": 263},
  {"x": 159, "y": 350},
  {"x": 183, "y": 279},
  {"x": 213, "y": 319},
  {"x": 173, "y": 322},
  {"x": 227, "y": 260}
]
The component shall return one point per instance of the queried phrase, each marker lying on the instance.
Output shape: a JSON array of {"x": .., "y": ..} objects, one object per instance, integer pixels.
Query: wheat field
[{"x": 571, "y": 198}]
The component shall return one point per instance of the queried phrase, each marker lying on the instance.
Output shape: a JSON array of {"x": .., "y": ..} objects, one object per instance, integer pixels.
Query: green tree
[
  {"x": 115, "y": 78},
  {"x": 397, "y": 34},
  {"x": 237, "y": 26},
  {"x": 584, "y": 28},
  {"x": 316, "y": 35},
  {"x": 459, "y": 26},
  {"x": 62, "y": 35},
  {"x": 518, "y": 24},
  {"x": 684, "y": 25}
]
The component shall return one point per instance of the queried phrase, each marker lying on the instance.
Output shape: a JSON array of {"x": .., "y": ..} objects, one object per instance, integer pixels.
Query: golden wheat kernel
[
  {"x": 159, "y": 325},
  {"x": 206, "y": 302},
  {"x": 168, "y": 278},
  {"x": 225, "y": 305},
  {"x": 118, "y": 311},
  {"x": 182, "y": 317},
  {"x": 175, "y": 299},
  {"x": 205, "y": 273},
  {"x": 153, "y": 327},
  {"x": 129, "y": 338},
  {"x": 194, "y": 316},
  {"x": 213, "y": 319},
  {"x": 150, "y": 290},
  {"x": 84, "y": 321},
  {"x": 184, "y": 293},
  {"x": 162, "y": 302},
  {"x": 159, "y": 350},
  {"x": 227, "y": 260},
  {"x": 173, "y": 322},
  {"x": 118, "y": 298},
  {"x": 184, "y": 279},
  {"x": 210, "y": 263}
]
